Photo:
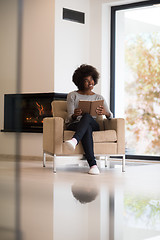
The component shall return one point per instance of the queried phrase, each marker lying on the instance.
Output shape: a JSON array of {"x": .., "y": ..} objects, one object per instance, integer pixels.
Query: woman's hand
[
  {"x": 77, "y": 112},
  {"x": 101, "y": 111}
]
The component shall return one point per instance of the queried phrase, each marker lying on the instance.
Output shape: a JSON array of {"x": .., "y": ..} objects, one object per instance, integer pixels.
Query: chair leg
[
  {"x": 123, "y": 163},
  {"x": 54, "y": 163},
  {"x": 44, "y": 159},
  {"x": 107, "y": 161}
]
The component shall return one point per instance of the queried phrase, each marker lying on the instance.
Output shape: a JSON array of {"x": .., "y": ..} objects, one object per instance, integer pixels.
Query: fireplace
[{"x": 25, "y": 112}]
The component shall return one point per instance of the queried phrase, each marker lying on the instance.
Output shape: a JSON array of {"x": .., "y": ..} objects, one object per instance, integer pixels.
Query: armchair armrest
[
  {"x": 53, "y": 128},
  {"x": 117, "y": 124}
]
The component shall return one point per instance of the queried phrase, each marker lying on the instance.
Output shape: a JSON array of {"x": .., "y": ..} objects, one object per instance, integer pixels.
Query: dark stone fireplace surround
[{"x": 25, "y": 112}]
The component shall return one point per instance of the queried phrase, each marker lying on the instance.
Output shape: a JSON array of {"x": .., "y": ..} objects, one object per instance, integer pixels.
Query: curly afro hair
[{"x": 82, "y": 72}]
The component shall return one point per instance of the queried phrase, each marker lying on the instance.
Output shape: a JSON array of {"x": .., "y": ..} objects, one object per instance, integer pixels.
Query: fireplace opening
[{"x": 25, "y": 112}]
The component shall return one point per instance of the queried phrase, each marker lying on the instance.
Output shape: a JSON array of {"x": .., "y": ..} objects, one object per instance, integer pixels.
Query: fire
[
  {"x": 36, "y": 119},
  {"x": 28, "y": 118},
  {"x": 40, "y": 108}
]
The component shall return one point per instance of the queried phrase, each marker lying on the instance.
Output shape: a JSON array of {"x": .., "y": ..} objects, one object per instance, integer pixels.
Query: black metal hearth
[{"x": 25, "y": 112}]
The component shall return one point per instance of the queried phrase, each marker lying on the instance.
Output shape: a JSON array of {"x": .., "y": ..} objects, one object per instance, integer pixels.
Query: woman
[{"x": 85, "y": 78}]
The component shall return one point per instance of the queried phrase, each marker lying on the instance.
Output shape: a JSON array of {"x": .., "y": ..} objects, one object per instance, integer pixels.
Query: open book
[{"x": 90, "y": 106}]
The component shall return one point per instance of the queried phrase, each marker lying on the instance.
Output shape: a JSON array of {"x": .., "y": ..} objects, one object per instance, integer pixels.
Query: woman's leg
[
  {"x": 87, "y": 143},
  {"x": 83, "y": 133},
  {"x": 83, "y": 125}
]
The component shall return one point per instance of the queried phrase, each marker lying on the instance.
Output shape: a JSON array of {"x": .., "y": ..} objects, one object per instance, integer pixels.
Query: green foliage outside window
[
  {"x": 142, "y": 110},
  {"x": 144, "y": 209}
]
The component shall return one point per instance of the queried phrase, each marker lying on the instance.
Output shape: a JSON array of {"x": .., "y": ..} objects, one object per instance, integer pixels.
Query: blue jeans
[{"x": 83, "y": 132}]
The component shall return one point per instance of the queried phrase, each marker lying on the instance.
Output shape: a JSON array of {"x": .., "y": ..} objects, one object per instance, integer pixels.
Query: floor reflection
[
  {"x": 84, "y": 193},
  {"x": 95, "y": 210},
  {"x": 73, "y": 205},
  {"x": 142, "y": 212}
]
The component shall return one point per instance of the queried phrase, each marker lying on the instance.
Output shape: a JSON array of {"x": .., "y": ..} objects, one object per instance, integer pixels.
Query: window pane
[{"x": 137, "y": 93}]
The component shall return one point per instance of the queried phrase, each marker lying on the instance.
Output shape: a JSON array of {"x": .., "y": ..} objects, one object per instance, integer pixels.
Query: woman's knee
[{"x": 87, "y": 116}]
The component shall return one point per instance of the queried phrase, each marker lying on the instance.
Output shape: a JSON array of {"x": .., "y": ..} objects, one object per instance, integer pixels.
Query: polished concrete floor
[{"x": 36, "y": 204}]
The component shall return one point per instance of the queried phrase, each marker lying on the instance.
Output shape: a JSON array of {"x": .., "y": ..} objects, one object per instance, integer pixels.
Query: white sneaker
[
  {"x": 70, "y": 145},
  {"x": 94, "y": 170}
]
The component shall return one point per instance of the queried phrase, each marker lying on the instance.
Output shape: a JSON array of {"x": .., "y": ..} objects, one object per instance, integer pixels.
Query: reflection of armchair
[{"x": 109, "y": 141}]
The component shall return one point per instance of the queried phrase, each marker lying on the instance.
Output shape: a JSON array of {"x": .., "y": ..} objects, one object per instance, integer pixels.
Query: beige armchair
[{"x": 109, "y": 141}]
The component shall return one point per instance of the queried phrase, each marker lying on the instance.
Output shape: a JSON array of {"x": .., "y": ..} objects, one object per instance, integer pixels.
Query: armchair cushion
[{"x": 98, "y": 137}]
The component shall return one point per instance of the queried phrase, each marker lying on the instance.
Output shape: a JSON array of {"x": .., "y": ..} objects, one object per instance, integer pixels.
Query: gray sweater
[{"x": 73, "y": 100}]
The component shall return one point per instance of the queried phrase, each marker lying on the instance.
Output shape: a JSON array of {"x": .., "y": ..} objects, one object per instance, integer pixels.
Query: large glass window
[{"x": 137, "y": 77}]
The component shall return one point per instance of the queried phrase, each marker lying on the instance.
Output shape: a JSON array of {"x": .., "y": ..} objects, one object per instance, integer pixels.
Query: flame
[
  {"x": 28, "y": 118},
  {"x": 36, "y": 119},
  {"x": 40, "y": 108}
]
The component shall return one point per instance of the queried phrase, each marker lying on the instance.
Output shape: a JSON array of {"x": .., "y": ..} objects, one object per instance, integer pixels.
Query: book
[{"x": 90, "y": 106}]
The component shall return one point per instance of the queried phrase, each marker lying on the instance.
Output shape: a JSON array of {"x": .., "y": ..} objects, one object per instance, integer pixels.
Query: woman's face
[{"x": 88, "y": 83}]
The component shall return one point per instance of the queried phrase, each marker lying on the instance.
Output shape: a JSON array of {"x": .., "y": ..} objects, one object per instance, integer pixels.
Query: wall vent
[{"x": 73, "y": 16}]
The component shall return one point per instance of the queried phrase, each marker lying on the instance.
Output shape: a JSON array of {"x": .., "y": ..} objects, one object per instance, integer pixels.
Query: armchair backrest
[{"x": 59, "y": 109}]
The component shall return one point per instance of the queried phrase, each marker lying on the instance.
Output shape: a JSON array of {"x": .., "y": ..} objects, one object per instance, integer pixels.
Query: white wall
[
  {"x": 76, "y": 43},
  {"x": 71, "y": 43},
  {"x": 37, "y": 61},
  {"x": 8, "y": 65},
  {"x": 38, "y": 46},
  {"x": 95, "y": 44}
]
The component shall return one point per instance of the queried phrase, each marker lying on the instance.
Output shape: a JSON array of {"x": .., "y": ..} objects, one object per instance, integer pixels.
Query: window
[{"x": 135, "y": 75}]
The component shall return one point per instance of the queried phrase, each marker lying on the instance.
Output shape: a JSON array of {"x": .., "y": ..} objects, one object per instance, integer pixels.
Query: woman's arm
[
  {"x": 104, "y": 110},
  {"x": 73, "y": 112},
  {"x": 70, "y": 105}
]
